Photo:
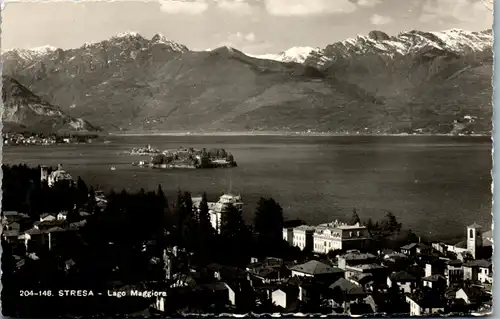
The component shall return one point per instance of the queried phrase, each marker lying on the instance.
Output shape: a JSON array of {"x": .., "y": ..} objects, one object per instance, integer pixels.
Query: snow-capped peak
[
  {"x": 130, "y": 34},
  {"x": 405, "y": 43},
  {"x": 161, "y": 39},
  {"x": 33, "y": 53},
  {"x": 44, "y": 49},
  {"x": 294, "y": 54}
]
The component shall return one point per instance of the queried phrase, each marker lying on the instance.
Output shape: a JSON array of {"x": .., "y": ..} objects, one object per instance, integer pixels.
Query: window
[
  {"x": 471, "y": 233},
  {"x": 350, "y": 234}
]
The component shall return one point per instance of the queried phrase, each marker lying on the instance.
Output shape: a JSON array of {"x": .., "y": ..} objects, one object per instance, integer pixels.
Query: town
[
  {"x": 199, "y": 257},
  {"x": 14, "y": 139}
]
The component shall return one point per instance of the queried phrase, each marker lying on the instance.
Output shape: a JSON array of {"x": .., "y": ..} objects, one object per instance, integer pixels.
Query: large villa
[{"x": 215, "y": 209}]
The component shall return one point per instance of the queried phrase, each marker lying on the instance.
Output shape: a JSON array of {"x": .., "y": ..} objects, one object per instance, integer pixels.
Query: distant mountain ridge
[{"x": 428, "y": 82}]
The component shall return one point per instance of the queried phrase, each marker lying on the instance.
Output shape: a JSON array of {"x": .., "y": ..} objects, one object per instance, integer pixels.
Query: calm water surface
[{"x": 434, "y": 185}]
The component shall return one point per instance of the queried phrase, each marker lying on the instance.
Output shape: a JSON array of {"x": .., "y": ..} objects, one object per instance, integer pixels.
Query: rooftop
[
  {"x": 401, "y": 276},
  {"x": 476, "y": 226},
  {"x": 315, "y": 267},
  {"x": 347, "y": 287},
  {"x": 478, "y": 263},
  {"x": 434, "y": 278},
  {"x": 357, "y": 256}
]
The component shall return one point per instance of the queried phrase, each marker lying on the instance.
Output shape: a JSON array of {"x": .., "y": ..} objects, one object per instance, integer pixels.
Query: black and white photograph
[{"x": 186, "y": 158}]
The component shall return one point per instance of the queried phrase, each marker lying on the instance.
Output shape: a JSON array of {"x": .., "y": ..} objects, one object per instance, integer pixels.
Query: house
[
  {"x": 45, "y": 217},
  {"x": 474, "y": 267},
  {"x": 354, "y": 258},
  {"x": 317, "y": 269},
  {"x": 269, "y": 270},
  {"x": 437, "y": 282},
  {"x": 240, "y": 294},
  {"x": 485, "y": 274},
  {"x": 425, "y": 304},
  {"x": 288, "y": 235},
  {"x": 338, "y": 236},
  {"x": 344, "y": 291},
  {"x": 415, "y": 249},
  {"x": 378, "y": 272},
  {"x": 303, "y": 237},
  {"x": 454, "y": 272},
  {"x": 12, "y": 216},
  {"x": 403, "y": 280},
  {"x": 359, "y": 308},
  {"x": 472, "y": 295},
  {"x": 222, "y": 272},
  {"x": 13, "y": 226},
  {"x": 62, "y": 216},
  {"x": 284, "y": 296}
]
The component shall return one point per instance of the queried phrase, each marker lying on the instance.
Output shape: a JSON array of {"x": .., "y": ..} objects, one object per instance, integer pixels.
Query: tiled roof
[
  {"x": 347, "y": 286},
  {"x": 434, "y": 278},
  {"x": 455, "y": 263},
  {"x": 357, "y": 256},
  {"x": 401, "y": 276},
  {"x": 315, "y": 267},
  {"x": 475, "y": 226},
  {"x": 478, "y": 263},
  {"x": 408, "y": 247}
]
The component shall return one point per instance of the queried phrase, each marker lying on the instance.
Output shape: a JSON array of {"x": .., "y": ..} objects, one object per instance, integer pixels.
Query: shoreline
[{"x": 288, "y": 134}]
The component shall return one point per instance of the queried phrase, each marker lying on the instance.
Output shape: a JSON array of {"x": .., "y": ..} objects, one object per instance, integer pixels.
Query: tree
[
  {"x": 369, "y": 224},
  {"x": 232, "y": 224},
  {"x": 203, "y": 215},
  {"x": 82, "y": 191},
  {"x": 390, "y": 224},
  {"x": 268, "y": 222},
  {"x": 355, "y": 218},
  {"x": 91, "y": 202}
]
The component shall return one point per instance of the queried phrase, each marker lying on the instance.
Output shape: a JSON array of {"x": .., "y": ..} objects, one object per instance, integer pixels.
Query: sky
[{"x": 253, "y": 26}]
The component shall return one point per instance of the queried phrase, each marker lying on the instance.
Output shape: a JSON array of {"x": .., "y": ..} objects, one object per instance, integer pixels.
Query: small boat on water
[{"x": 113, "y": 168}]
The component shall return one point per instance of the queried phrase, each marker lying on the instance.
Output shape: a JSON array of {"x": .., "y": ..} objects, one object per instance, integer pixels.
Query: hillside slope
[
  {"x": 415, "y": 82},
  {"x": 23, "y": 110}
]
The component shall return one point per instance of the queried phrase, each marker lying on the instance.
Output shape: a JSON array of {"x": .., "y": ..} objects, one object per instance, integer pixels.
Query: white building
[
  {"x": 303, "y": 237},
  {"x": 215, "y": 210},
  {"x": 425, "y": 307},
  {"x": 55, "y": 176},
  {"x": 337, "y": 236}
]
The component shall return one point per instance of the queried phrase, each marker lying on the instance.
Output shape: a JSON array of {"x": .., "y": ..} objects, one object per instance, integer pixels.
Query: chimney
[{"x": 59, "y": 167}]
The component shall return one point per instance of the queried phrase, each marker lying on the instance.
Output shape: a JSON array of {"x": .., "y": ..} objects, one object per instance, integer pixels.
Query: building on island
[{"x": 216, "y": 210}]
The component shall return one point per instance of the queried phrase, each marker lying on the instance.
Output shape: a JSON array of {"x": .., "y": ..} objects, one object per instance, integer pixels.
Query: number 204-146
[{"x": 34, "y": 293}]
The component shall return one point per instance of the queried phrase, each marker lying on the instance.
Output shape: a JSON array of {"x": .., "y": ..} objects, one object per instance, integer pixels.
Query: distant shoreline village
[
  {"x": 184, "y": 158},
  {"x": 14, "y": 139}
]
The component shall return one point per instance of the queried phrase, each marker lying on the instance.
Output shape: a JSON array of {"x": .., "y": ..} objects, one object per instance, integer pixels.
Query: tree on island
[{"x": 354, "y": 218}]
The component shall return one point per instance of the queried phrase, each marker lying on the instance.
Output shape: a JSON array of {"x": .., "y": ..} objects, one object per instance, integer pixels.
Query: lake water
[{"x": 434, "y": 185}]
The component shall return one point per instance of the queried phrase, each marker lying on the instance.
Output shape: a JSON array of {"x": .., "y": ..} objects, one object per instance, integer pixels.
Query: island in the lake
[{"x": 185, "y": 158}]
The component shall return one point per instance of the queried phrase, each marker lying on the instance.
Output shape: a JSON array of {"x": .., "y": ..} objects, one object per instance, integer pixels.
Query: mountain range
[{"x": 427, "y": 82}]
